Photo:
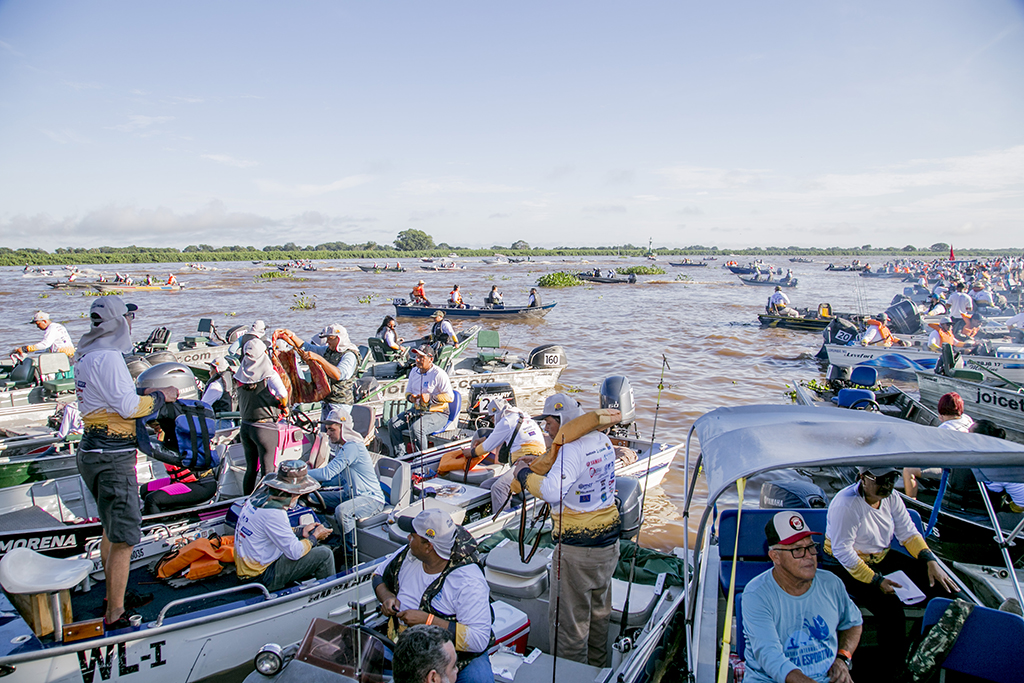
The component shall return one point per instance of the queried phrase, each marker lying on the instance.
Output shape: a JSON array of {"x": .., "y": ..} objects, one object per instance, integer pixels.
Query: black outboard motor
[
  {"x": 480, "y": 395},
  {"x": 792, "y": 494},
  {"x": 840, "y": 331},
  {"x": 548, "y": 356},
  {"x": 629, "y": 499},
  {"x": 904, "y": 318},
  {"x": 616, "y": 392}
]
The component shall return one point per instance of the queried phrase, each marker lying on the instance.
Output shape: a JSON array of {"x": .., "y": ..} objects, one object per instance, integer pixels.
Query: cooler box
[
  {"x": 511, "y": 627},
  {"x": 1010, "y": 352},
  {"x": 289, "y": 442}
]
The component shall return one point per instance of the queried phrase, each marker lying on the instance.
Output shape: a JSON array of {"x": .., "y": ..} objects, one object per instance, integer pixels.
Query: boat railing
[{"x": 203, "y": 596}]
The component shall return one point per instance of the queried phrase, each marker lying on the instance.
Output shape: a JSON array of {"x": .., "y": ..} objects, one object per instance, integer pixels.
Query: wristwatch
[{"x": 846, "y": 658}]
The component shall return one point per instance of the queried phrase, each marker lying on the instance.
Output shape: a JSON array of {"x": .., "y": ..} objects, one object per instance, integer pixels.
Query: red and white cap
[{"x": 786, "y": 528}]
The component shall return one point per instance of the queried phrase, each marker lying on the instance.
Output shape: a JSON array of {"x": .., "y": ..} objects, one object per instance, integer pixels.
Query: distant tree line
[{"x": 416, "y": 243}]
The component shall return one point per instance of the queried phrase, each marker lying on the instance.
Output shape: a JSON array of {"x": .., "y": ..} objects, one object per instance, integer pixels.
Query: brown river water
[{"x": 705, "y": 326}]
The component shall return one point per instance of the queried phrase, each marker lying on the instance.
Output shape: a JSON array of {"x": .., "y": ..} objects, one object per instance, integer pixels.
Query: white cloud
[
  {"x": 229, "y": 160},
  {"x": 188, "y": 100},
  {"x": 137, "y": 122},
  {"x": 454, "y": 186},
  {"x": 65, "y": 135},
  {"x": 303, "y": 190}
]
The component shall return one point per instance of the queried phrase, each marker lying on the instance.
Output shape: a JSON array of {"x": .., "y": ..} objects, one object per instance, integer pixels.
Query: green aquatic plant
[
  {"x": 559, "y": 279},
  {"x": 640, "y": 270},
  {"x": 106, "y": 293},
  {"x": 272, "y": 275},
  {"x": 304, "y": 302},
  {"x": 368, "y": 298},
  {"x": 683, "y": 277}
]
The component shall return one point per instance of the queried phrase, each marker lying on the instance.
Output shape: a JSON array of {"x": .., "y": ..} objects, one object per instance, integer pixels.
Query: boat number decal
[
  {"x": 1001, "y": 401},
  {"x": 552, "y": 359},
  {"x": 137, "y": 553},
  {"x": 39, "y": 543},
  {"x": 102, "y": 660}
]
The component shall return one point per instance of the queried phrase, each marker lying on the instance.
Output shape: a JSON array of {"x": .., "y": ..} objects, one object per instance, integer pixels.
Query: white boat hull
[
  {"x": 848, "y": 356},
  {"x": 981, "y": 401}
]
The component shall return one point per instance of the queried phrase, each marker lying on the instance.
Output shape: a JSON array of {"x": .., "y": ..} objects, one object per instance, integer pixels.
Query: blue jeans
[
  {"x": 421, "y": 425},
  {"x": 477, "y": 671}
]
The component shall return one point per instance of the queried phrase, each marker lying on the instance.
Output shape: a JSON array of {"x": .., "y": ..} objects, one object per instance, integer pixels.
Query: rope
[{"x": 723, "y": 664}]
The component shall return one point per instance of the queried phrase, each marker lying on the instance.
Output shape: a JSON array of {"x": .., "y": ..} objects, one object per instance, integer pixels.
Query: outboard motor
[
  {"x": 159, "y": 357},
  {"x": 904, "y": 318},
  {"x": 365, "y": 386},
  {"x": 629, "y": 501},
  {"x": 840, "y": 331},
  {"x": 548, "y": 356},
  {"x": 176, "y": 375},
  {"x": 616, "y": 392},
  {"x": 137, "y": 365},
  {"x": 235, "y": 333},
  {"x": 792, "y": 494},
  {"x": 480, "y": 396}
]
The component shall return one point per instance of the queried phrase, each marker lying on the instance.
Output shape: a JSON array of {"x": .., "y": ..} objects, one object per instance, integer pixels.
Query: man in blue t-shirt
[{"x": 800, "y": 626}]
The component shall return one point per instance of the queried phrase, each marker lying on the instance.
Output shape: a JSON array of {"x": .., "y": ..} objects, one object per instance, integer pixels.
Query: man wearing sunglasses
[
  {"x": 862, "y": 520},
  {"x": 799, "y": 625}
]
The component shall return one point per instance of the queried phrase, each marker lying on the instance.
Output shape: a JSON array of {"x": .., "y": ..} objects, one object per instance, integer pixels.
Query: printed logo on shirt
[{"x": 808, "y": 648}]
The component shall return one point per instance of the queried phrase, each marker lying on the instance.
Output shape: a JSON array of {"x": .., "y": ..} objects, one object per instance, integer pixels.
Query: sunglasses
[
  {"x": 130, "y": 315},
  {"x": 889, "y": 479}
]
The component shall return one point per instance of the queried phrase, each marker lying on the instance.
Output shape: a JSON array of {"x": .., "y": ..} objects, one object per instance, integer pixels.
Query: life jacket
[
  {"x": 257, "y": 403},
  {"x": 883, "y": 329},
  {"x": 202, "y": 557},
  {"x": 437, "y": 333},
  {"x": 464, "y": 552},
  {"x": 228, "y": 401},
  {"x": 342, "y": 390},
  {"x": 193, "y": 427},
  {"x": 946, "y": 336}
]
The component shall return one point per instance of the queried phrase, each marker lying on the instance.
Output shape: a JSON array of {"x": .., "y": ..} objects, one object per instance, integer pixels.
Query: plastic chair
[
  {"x": 974, "y": 652},
  {"x": 381, "y": 352},
  {"x": 454, "y": 408},
  {"x": 488, "y": 342},
  {"x": 395, "y": 478},
  {"x": 864, "y": 375}
]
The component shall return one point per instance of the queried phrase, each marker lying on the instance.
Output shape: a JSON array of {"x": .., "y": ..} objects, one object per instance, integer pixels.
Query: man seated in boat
[
  {"x": 942, "y": 333},
  {"x": 436, "y": 580},
  {"x": 429, "y": 389},
  {"x": 778, "y": 304},
  {"x": 355, "y": 490},
  {"x": 494, "y": 298},
  {"x": 534, "y": 300},
  {"x": 442, "y": 333},
  {"x": 267, "y": 548},
  {"x": 878, "y": 333},
  {"x": 425, "y": 654},
  {"x": 1015, "y": 326},
  {"x": 862, "y": 520},
  {"x": 799, "y": 624},
  {"x": 171, "y": 280},
  {"x": 418, "y": 296},
  {"x": 455, "y": 298},
  {"x": 981, "y": 296},
  {"x": 55, "y": 338}
]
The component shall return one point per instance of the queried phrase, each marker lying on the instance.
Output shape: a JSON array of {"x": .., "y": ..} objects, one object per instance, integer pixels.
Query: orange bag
[
  {"x": 455, "y": 461},
  {"x": 203, "y": 556}
]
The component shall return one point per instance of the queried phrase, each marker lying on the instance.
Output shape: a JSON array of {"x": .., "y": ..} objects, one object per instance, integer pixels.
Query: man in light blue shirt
[
  {"x": 356, "y": 491},
  {"x": 799, "y": 626}
]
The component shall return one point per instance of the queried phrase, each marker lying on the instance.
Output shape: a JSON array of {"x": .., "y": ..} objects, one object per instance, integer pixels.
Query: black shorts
[{"x": 110, "y": 477}]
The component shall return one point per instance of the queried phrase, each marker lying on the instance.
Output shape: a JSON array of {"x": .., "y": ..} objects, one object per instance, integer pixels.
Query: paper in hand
[{"x": 909, "y": 594}]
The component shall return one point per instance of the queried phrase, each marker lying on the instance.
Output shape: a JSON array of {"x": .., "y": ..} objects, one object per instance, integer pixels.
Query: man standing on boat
[
  {"x": 111, "y": 408},
  {"x": 435, "y": 580},
  {"x": 55, "y": 338},
  {"x": 960, "y": 304},
  {"x": 580, "y": 487},
  {"x": 350, "y": 469},
  {"x": 534, "y": 301},
  {"x": 799, "y": 625},
  {"x": 338, "y": 357},
  {"x": 442, "y": 332},
  {"x": 429, "y": 389}
]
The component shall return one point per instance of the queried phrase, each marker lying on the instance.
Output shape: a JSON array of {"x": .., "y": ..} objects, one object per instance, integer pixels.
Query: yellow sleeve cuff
[{"x": 915, "y": 544}]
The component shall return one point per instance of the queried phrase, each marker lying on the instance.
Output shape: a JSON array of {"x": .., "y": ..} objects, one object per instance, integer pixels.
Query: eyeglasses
[
  {"x": 800, "y": 552},
  {"x": 130, "y": 315},
  {"x": 884, "y": 480}
]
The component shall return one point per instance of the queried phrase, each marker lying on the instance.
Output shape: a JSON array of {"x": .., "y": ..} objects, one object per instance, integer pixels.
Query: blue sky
[{"x": 731, "y": 124}]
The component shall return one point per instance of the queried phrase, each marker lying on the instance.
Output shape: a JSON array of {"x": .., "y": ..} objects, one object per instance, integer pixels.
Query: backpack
[{"x": 193, "y": 427}]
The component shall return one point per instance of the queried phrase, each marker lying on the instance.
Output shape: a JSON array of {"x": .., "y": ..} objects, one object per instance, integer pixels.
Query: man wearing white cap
[
  {"x": 356, "y": 491},
  {"x": 429, "y": 389},
  {"x": 436, "y": 580},
  {"x": 338, "y": 357},
  {"x": 111, "y": 408},
  {"x": 580, "y": 487},
  {"x": 55, "y": 337},
  {"x": 799, "y": 625}
]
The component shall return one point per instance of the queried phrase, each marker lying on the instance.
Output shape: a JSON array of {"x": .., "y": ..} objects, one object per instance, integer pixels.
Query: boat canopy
[{"x": 746, "y": 440}]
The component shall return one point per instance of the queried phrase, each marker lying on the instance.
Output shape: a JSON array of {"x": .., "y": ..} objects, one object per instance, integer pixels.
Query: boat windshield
[{"x": 345, "y": 650}]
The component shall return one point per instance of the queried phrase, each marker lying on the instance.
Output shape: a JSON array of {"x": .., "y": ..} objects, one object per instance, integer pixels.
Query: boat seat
[
  {"x": 37, "y": 582},
  {"x": 864, "y": 375},
  {"x": 969, "y": 375},
  {"x": 854, "y": 398},
  {"x": 477, "y": 475},
  {"x": 454, "y": 408},
  {"x": 364, "y": 421},
  {"x": 381, "y": 352},
  {"x": 23, "y": 372},
  {"x": 973, "y": 652},
  {"x": 488, "y": 342},
  {"x": 642, "y": 599},
  {"x": 508, "y": 576},
  {"x": 395, "y": 478}
]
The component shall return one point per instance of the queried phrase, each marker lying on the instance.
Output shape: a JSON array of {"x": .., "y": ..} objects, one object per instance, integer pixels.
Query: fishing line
[{"x": 643, "y": 501}]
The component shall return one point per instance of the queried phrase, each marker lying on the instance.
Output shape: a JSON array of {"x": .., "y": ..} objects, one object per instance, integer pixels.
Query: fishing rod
[{"x": 643, "y": 501}]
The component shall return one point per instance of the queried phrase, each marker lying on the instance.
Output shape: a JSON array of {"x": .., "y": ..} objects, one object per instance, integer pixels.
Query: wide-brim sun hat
[{"x": 292, "y": 477}]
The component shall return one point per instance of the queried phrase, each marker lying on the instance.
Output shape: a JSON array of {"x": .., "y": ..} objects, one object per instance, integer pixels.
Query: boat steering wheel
[{"x": 868, "y": 404}]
